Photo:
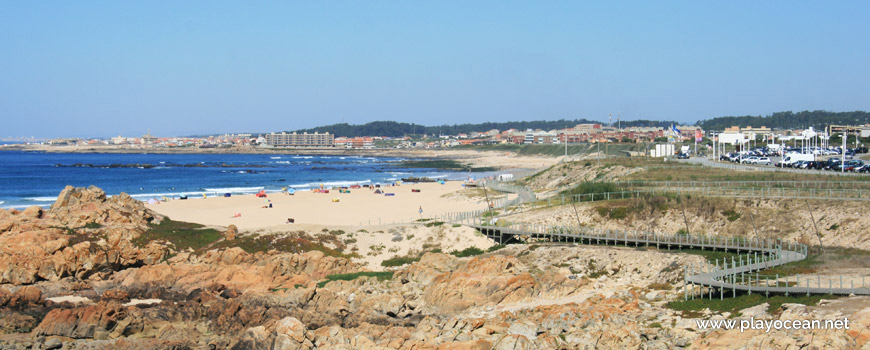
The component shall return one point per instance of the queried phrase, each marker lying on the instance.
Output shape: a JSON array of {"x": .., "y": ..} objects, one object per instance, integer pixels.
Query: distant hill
[
  {"x": 397, "y": 129},
  {"x": 779, "y": 120},
  {"x": 789, "y": 120}
]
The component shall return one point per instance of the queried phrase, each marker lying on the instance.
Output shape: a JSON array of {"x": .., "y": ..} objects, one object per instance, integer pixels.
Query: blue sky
[{"x": 93, "y": 69}]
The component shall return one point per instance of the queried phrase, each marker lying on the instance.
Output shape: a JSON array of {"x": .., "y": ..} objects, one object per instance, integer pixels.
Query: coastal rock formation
[
  {"x": 84, "y": 233},
  {"x": 73, "y": 278},
  {"x": 231, "y": 232}
]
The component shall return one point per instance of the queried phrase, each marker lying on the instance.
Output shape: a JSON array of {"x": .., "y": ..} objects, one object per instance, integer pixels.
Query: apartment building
[{"x": 284, "y": 139}]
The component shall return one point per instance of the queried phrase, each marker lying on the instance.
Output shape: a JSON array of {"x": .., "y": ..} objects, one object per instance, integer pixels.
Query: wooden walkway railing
[{"x": 740, "y": 274}]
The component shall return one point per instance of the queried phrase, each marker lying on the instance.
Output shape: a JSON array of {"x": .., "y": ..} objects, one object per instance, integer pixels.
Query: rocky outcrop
[
  {"x": 83, "y": 322},
  {"x": 231, "y": 233},
  {"x": 84, "y": 233}
]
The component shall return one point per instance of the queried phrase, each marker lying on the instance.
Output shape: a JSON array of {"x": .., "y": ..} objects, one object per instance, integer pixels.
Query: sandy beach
[{"x": 360, "y": 207}]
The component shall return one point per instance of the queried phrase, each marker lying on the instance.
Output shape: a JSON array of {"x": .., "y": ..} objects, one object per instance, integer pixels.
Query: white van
[{"x": 796, "y": 157}]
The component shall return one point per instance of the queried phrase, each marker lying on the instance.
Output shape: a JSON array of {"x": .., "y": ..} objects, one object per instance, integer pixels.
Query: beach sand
[
  {"x": 366, "y": 219},
  {"x": 360, "y": 207}
]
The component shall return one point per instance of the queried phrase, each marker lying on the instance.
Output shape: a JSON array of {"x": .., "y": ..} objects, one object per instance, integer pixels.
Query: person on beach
[{"x": 420, "y": 210}]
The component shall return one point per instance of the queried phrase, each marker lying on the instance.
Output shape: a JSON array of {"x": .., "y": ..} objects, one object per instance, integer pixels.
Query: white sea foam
[
  {"x": 274, "y": 157},
  {"x": 332, "y": 183},
  {"x": 41, "y": 199},
  {"x": 235, "y": 189},
  {"x": 283, "y": 162},
  {"x": 302, "y": 157},
  {"x": 166, "y": 194},
  {"x": 23, "y": 206}
]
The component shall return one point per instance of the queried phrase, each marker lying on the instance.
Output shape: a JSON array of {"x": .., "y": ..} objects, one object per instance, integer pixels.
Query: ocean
[{"x": 36, "y": 178}]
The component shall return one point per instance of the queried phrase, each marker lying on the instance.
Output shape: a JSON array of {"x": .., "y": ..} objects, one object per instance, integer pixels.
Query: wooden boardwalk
[
  {"x": 727, "y": 277},
  {"x": 740, "y": 274}
]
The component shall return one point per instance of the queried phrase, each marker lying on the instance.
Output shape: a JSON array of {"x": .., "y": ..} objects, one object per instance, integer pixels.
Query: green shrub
[
  {"x": 381, "y": 276},
  {"x": 182, "y": 235},
  {"x": 731, "y": 215},
  {"x": 618, "y": 213},
  {"x": 470, "y": 251},
  {"x": 399, "y": 261},
  {"x": 495, "y": 247}
]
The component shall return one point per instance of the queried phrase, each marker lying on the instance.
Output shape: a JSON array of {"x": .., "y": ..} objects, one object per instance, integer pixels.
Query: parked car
[
  {"x": 683, "y": 156},
  {"x": 762, "y": 161}
]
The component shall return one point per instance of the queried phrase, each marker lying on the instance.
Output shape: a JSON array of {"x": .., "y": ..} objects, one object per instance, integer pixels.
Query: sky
[{"x": 106, "y": 68}]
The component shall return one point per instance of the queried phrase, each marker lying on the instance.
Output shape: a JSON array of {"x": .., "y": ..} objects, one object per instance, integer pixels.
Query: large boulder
[{"x": 82, "y": 322}]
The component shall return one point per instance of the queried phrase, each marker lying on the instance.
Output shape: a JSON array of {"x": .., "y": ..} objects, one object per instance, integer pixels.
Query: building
[
  {"x": 147, "y": 139},
  {"x": 852, "y": 129},
  {"x": 284, "y": 139}
]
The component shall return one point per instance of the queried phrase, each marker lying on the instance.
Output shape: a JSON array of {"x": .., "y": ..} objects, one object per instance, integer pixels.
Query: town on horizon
[{"x": 578, "y": 134}]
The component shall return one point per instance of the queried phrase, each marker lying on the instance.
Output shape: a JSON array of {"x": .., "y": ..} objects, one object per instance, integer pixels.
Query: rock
[
  {"x": 653, "y": 295},
  {"x": 26, "y": 295},
  {"x": 116, "y": 294},
  {"x": 34, "y": 212},
  {"x": 758, "y": 312},
  {"x": 255, "y": 338},
  {"x": 527, "y": 329},
  {"x": 478, "y": 344},
  {"x": 81, "y": 322},
  {"x": 52, "y": 343},
  {"x": 513, "y": 342},
  {"x": 231, "y": 233},
  {"x": 4, "y": 296},
  {"x": 290, "y": 335}
]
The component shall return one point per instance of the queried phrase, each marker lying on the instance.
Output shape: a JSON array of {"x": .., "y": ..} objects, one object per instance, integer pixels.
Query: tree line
[
  {"x": 398, "y": 129},
  {"x": 789, "y": 120},
  {"x": 778, "y": 120}
]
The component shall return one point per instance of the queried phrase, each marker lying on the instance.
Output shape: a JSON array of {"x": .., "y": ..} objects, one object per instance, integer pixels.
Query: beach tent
[
  {"x": 291, "y": 190},
  {"x": 153, "y": 201}
]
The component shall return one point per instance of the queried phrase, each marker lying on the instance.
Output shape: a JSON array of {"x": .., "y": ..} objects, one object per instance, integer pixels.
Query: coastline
[{"x": 479, "y": 158}]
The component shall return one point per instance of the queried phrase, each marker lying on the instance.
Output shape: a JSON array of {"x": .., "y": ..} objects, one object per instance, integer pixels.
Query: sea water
[{"x": 36, "y": 178}]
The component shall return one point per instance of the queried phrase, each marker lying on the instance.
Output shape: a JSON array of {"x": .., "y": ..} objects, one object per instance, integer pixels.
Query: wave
[
  {"x": 302, "y": 157},
  {"x": 235, "y": 189},
  {"x": 332, "y": 183},
  {"x": 41, "y": 199},
  {"x": 24, "y": 206},
  {"x": 1, "y": 202},
  {"x": 283, "y": 162},
  {"x": 274, "y": 157},
  {"x": 166, "y": 194}
]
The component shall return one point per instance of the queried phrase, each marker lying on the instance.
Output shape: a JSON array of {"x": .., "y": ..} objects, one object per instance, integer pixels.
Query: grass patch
[
  {"x": 444, "y": 164},
  {"x": 831, "y": 258},
  {"x": 293, "y": 242},
  {"x": 470, "y": 251},
  {"x": 731, "y": 215},
  {"x": 710, "y": 255},
  {"x": 434, "y": 224},
  {"x": 591, "y": 190},
  {"x": 490, "y": 213},
  {"x": 92, "y": 225},
  {"x": 457, "y": 225},
  {"x": 733, "y": 305},
  {"x": 661, "y": 286},
  {"x": 494, "y": 248},
  {"x": 183, "y": 235},
  {"x": 381, "y": 276},
  {"x": 400, "y": 260}
]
